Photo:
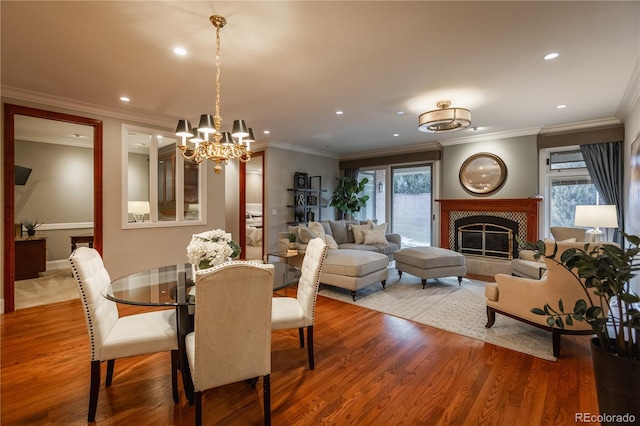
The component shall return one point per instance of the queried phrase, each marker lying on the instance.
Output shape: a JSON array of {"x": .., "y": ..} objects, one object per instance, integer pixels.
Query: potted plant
[
  {"x": 345, "y": 197},
  {"x": 30, "y": 226},
  {"x": 604, "y": 271},
  {"x": 292, "y": 240}
]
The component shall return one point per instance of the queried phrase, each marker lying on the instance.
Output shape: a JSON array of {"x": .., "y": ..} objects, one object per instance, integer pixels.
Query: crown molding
[
  {"x": 84, "y": 107},
  {"x": 581, "y": 125},
  {"x": 407, "y": 149},
  {"x": 491, "y": 136},
  {"x": 289, "y": 147}
]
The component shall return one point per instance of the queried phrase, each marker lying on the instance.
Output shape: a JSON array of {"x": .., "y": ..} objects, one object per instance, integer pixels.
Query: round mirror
[{"x": 483, "y": 173}]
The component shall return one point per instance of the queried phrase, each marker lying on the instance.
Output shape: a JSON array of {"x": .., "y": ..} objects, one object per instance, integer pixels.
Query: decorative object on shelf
[
  {"x": 300, "y": 199},
  {"x": 311, "y": 216},
  {"x": 299, "y": 216},
  {"x": 345, "y": 196},
  {"x": 223, "y": 147},
  {"x": 211, "y": 248},
  {"x": 483, "y": 173},
  {"x": 605, "y": 216},
  {"x": 30, "y": 226},
  {"x": 300, "y": 180},
  {"x": 444, "y": 119},
  {"x": 605, "y": 272},
  {"x": 312, "y": 200}
]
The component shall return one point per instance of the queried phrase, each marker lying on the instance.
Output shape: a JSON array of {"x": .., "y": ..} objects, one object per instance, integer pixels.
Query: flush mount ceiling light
[
  {"x": 207, "y": 141},
  {"x": 444, "y": 119}
]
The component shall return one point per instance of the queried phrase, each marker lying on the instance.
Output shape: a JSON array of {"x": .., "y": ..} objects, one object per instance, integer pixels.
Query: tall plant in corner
[
  {"x": 345, "y": 197},
  {"x": 607, "y": 269}
]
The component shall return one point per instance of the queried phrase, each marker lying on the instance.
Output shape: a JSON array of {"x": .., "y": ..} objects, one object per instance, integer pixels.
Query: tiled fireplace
[{"x": 485, "y": 230}]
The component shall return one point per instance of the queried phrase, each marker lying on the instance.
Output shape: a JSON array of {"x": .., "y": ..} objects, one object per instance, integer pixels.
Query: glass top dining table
[{"x": 163, "y": 286}]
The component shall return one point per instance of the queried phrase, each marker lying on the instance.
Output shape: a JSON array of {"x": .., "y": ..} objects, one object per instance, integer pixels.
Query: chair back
[
  {"x": 232, "y": 324},
  {"x": 561, "y": 233},
  {"x": 310, "y": 277},
  {"x": 562, "y": 284},
  {"x": 99, "y": 312}
]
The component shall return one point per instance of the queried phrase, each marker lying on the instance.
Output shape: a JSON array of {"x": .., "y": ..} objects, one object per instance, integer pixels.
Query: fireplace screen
[{"x": 486, "y": 240}]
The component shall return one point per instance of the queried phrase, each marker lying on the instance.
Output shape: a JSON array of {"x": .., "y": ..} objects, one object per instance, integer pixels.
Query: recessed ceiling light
[
  {"x": 181, "y": 51},
  {"x": 399, "y": 112},
  {"x": 395, "y": 135},
  {"x": 339, "y": 112},
  {"x": 124, "y": 99},
  {"x": 550, "y": 56},
  {"x": 266, "y": 132},
  {"x": 561, "y": 106}
]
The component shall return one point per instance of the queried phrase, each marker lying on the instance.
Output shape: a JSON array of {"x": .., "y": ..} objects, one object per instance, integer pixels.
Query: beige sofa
[
  {"x": 526, "y": 266},
  {"x": 339, "y": 234}
]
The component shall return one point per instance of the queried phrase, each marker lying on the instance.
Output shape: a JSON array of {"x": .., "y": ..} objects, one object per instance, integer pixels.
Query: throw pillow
[
  {"x": 331, "y": 243},
  {"x": 339, "y": 231},
  {"x": 382, "y": 227},
  {"x": 372, "y": 236},
  {"x": 318, "y": 229},
  {"x": 305, "y": 234},
  {"x": 357, "y": 230}
]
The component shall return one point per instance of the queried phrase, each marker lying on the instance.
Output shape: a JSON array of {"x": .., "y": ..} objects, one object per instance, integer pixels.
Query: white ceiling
[{"x": 288, "y": 66}]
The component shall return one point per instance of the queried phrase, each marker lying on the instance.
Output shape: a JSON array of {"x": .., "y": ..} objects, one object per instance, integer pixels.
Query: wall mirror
[
  {"x": 483, "y": 173},
  {"x": 160, "y": 188},
  {"x": 252, "y": 207}
]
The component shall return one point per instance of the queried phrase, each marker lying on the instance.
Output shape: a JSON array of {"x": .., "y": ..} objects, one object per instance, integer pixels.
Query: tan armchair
[{"x": 515, "y": 296}]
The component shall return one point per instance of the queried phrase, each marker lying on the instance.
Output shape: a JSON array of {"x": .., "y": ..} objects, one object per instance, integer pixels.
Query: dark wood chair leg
[
  {"x": 174, "y": 375},
  {"x": 266, "y": 389},
  {"x": 198, "y": 397},
  {"x": 301, "y": 334},
  {"x": 312, "y": 364},
  {"x": 353, "y": 295},
  {"x": 94, "y": 390},
  {"x": 110, "y": 364},
  {"x": 555, "y": 338},
  {"x": 491, "y": 317},
  {"x": 459, "y": 280},
  {"x": 424, "y": 283},
  {"x": 384, "y": 282},
  {"x": 399, "y": 273}
]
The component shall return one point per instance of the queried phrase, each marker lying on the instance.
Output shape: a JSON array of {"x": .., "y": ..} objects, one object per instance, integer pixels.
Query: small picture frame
[{"x": 300, "y": 180}]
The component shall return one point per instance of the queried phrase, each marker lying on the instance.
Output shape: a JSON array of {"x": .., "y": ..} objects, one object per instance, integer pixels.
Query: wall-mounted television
[{"x": 21, "y": 175}]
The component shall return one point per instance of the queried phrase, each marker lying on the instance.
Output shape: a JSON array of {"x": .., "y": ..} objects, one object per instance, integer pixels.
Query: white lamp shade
[
  {"x": 138, "y": 207},
  {"x": 596, "y": 216}
]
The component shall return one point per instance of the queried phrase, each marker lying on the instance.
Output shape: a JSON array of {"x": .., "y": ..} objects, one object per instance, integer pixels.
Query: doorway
[
  {"x": 12, "y": 113},
  {"x": 252, "y": 207}
]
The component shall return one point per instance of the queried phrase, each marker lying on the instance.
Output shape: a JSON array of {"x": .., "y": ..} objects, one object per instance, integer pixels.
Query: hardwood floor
[{"x": 371, "y": 369}]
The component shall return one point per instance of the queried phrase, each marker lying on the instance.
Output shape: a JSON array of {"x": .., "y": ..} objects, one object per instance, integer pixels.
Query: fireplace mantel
[{"x": 528, "y": 206}]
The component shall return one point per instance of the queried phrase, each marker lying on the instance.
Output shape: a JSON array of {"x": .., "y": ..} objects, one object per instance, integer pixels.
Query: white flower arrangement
[{"x": 211, "y": 248}]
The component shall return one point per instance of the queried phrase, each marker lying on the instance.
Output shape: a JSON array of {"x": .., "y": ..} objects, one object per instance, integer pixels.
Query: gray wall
[
  {"x": 520, "y": 155},
  {"x": 59, "y": 192},
  {"x": 280, "y": 166}
]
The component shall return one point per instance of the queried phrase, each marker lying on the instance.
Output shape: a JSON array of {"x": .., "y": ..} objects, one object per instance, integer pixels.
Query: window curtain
[
  {"x": 604, "y": 163},
  {"x": 351, "y": 172}
]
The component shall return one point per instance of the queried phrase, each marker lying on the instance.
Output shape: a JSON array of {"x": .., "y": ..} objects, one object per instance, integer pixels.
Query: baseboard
[{"x": 57, "y": 264}]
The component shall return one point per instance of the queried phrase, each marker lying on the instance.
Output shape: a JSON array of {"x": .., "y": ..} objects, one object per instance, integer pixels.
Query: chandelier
[
  {"x": 207, "y": 141},
  {"x": 444, "y": 119}
]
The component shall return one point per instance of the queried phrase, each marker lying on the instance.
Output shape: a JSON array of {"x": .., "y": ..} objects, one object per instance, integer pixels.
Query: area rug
[{"x": 445, "y": 305}]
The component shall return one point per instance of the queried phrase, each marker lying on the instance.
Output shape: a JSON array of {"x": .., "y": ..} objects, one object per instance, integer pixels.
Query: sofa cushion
[
  {"x": 327, "y": 227},
  {"x": 358, "y": 232},
  {"x": 318, "y": 230},
  {"x": 387, "y": 248},
  {"x": 360, "y": 247},
  {"x": 374, "y": 236},
  {"x": 353, "y": 263},
  {"x": 339, "y": 231},
  {"x": 305, "y": 234},
  {"x": 382, "y": 227}
]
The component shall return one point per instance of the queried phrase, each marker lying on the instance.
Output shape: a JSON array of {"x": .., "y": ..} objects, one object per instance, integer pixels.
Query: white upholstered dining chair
[
  {"x": 231, "y": 341},
  {"x": 112, "y": 336},
  {"x": 299, "y": 312}
]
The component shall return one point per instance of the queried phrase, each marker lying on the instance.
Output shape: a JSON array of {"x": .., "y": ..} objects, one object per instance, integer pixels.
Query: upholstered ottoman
[
  {"x": 430, "y": 262},
  {"x": 354, "y": 269}
]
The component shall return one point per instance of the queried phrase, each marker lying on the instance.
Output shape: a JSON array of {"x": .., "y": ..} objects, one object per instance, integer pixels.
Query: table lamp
[
  {"x": 596, "y": 217},
  {"x": 138, "y": 209}
]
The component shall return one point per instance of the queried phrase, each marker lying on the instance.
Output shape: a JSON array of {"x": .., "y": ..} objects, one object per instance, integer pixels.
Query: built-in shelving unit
[{"x": 306, "y": 199}]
